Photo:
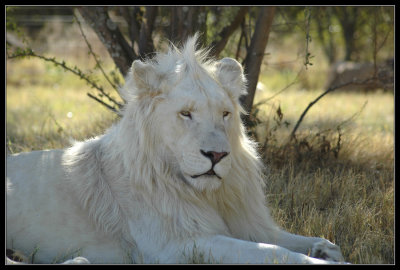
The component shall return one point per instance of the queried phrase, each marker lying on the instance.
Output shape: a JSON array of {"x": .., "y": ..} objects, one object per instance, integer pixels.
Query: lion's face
[
  {"x": 194, "y": 109},
  {"x": 195, "y": 120}
]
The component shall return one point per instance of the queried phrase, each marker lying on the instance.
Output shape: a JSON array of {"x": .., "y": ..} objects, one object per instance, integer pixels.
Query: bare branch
[
  {"x": 218, "y": 46},
  {"x": 76, "y": 71},
  {"x": 105, "y": 104},
  {"x": 308, "y": 37},
  {"x": 110, "y": 35},
  {"x": 239, "y": 45},
  {"x": 330, "y": 89},
  {"x": 98, "y": 64},
  {"x": 295, "y": 80}
]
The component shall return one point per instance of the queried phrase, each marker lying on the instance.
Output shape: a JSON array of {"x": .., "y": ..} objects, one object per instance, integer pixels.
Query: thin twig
[
  {"x": 356, "y": 114},
  {"x": 280, "y": 91},
  {"x": 98, "y": 64},
  {"x": 308, "y": 37},
  {"x": 330, "y": 89},
  {"x": 105, "y": 104},
  {"x": 110, "y": 35},
  {"x": 62, "y": 64},
  {"x": 227, "y": 31}
]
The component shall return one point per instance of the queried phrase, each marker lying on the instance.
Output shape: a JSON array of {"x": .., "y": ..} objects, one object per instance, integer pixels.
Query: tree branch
[
  {"x": 98, "y": 64},
  {"x": 225, "y": 33},
  {"x": 110, "y": 35},
  {"x": 104, "y": 104},
  {"x": 76, "y": 71},
  {"x": 330, "y": 89},
  {"x": 295, "y": 80}
]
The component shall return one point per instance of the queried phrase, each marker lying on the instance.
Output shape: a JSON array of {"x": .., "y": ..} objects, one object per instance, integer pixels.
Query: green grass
[{"x": 346, "y": 196}]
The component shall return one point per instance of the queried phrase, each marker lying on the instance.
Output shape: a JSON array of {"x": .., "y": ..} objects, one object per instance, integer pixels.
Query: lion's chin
[
  {"x": 204, "y": 182},
  {"x": 209, "y": 173}
]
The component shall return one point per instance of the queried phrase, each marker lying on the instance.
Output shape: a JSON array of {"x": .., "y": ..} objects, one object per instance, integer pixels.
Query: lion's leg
[
  {"x": 222, "y": 249},
  {"x": 312, "y": 246}
]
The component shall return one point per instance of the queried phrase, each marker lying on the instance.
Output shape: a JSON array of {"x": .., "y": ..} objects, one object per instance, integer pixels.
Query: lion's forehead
[
  {"x": 199, "y": 101},
  {"x": 201, "y": 94}
]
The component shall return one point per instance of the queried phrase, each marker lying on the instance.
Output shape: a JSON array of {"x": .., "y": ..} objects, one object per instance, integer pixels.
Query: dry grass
[
  {"x": 347, "y": 201},
  {"x": 347, "y": 198},
  {"x": 49, "y": 112},
  {"x": 339, "y": 186}
]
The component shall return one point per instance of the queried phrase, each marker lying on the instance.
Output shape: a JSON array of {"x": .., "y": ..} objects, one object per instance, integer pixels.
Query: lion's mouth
[{"x": 208, "y": 173}]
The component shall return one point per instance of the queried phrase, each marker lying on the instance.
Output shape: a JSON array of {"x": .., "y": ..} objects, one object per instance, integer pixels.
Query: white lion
[{"x": 175, "y": 178}]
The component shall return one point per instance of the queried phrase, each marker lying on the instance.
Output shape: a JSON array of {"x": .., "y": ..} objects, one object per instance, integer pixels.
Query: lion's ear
[
  {"x": 145, "y": 76},
  {"x": 230, "y": 74}
]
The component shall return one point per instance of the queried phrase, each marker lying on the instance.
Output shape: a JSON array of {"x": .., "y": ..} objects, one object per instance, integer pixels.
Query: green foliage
[
  {"x": 10, "y": 21},
  {"x": 330, "y": 25}
]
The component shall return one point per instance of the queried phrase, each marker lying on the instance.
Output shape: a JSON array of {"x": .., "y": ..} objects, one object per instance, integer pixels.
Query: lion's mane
[{"x": 129, "y": 164}]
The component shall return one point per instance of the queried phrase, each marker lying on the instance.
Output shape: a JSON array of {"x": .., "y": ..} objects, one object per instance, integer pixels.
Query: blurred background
[{"x": 65, "y": 64}]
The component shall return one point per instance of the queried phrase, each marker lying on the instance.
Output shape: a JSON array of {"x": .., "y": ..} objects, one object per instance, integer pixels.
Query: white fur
[{"x": 130, "y": 195}]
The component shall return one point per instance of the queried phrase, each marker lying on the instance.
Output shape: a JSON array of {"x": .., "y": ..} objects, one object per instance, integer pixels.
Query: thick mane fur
[{"x": 129, "y": 161}]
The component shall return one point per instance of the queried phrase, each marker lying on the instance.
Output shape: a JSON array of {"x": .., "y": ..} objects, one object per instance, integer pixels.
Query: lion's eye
[
  {"x": 225, "y": 114},
  {"x": 186, "y": 114}
]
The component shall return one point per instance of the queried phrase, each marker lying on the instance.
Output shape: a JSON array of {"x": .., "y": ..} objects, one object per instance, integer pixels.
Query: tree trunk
[
  {"x": 131, "y": 17},
  {"x": 255, "y": 54},
  {"x": 185, "y": 21},
  {"x": 347, "y": 17},
  {"x": 323, "y": 22},
  {"x": 176, "y": 28},
  {"x": 202, "y": 25},
  {"x": 110, "y": 35},
  {"x": 146, "y": 45}
]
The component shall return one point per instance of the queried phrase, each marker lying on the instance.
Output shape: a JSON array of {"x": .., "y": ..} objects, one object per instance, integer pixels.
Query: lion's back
[{"x": 42, "y": 212}]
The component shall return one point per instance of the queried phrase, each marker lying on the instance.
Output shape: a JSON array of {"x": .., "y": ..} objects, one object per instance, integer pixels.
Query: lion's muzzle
[{"x": 215, "y": 157}]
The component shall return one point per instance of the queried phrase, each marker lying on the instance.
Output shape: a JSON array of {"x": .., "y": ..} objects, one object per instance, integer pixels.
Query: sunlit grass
[
  {"x": 376, "y": 116},
  {"x": 48, "y": 110}
]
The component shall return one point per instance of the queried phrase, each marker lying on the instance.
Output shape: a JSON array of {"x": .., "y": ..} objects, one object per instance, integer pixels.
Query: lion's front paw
[
  {"x": 327, "y": 251},
  {"x": 77, "y": 260}
]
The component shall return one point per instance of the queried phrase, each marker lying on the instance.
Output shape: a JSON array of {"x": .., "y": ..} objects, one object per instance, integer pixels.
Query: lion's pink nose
[{"x": 215, "y": 157}]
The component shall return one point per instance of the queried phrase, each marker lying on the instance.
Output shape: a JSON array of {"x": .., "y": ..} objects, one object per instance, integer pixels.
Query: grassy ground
[
  {"x": 334, "y": 183},
  {"x": 48, "y": 108},
  {"x": 337, "y": 184}
]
